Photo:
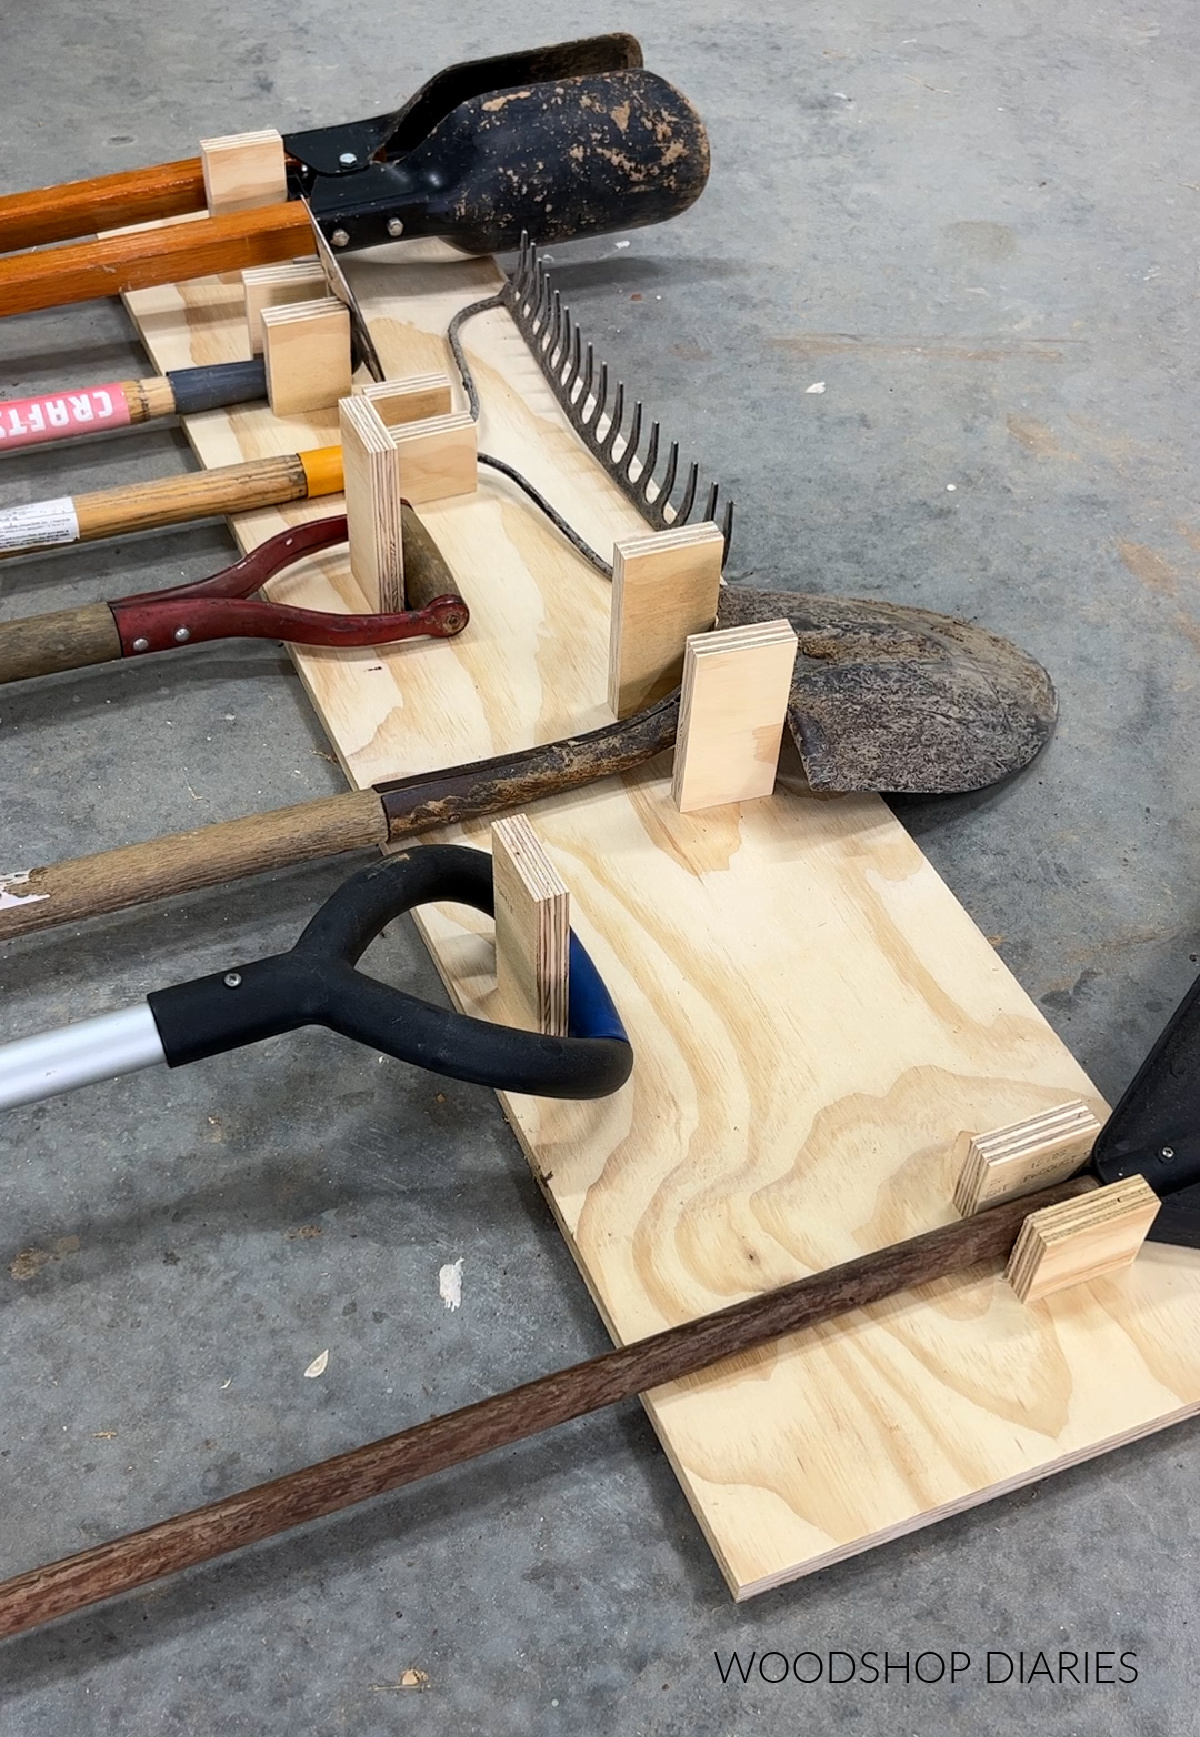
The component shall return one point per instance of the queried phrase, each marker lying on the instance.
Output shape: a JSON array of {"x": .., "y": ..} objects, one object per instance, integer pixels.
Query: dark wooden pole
[{"x": 262, "y": 1512}]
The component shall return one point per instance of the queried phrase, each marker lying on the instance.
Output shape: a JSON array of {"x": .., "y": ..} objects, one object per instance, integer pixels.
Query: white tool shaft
[{"x": 76, "y": 1055}]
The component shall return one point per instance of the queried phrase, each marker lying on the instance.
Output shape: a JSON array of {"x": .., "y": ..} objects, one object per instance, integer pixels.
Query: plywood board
[{"x": 815, "y": 1019}]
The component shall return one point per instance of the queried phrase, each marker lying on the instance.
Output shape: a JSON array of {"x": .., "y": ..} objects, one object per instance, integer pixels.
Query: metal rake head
[{"x": 581, "y": 385}]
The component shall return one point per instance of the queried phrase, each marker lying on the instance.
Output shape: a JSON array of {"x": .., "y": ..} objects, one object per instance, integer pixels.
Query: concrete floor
[{"x": 976, "y": 225}]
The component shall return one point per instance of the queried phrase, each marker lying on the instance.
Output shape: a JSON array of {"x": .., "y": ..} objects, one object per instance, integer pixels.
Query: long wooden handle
[
  {"x": 458, "y": 1436},
  {"x": 84, "y": 270},
  {"x": 109, "y": 201},
  {"x": 67, "y": 639},
  {"x": 426, "y": 574},
  {"x": 174, "y": 500},
  {"x": 405, "y": 808},
  {"x": 114, "y": 879}
]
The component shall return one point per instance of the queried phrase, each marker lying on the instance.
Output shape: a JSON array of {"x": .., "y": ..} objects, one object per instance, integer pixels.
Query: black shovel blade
[
  {"x": 566, "y": 158},
  {"x": 396, "y": 133},
  {"x": 900, "y": 700}
]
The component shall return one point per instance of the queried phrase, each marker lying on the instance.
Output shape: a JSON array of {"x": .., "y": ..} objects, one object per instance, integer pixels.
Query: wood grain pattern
[
  {"x": 243, "y": 171},
  {"x": 1028, "y": 1155},
  {"x": 1079, "y": 1241},
  {"x": 533, "y": 928},
  {"x": 664, "y": 587},
  {"x": 81, "y": 271},
  {"x": 175, "y": 500},
  {"x": 736, "y": 685},
  {"x": 76, "y": 208},
  {"x": 437, "y": 457},
  {"x": 364, "y": 1472},
  {"x": 86, "y": 886},
  {"x": 273, "y": 286},
  {"x": 62, "y": 639},
  {"x": 814, "y": 1019},
  {"x": 411, "y": 400},
  {"x": 306, "y": 348},
  {"x": 371, "y": 473}
]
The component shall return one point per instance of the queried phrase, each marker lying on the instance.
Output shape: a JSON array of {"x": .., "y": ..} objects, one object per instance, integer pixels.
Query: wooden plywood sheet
[{"x": 815, "y": 1019}]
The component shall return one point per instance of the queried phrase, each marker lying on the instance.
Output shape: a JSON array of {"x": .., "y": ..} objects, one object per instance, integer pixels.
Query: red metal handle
[
  {"x": 254, "y": 569},
  {"x": 164, "y": 625},
  {"x": 217, "y": 608}
]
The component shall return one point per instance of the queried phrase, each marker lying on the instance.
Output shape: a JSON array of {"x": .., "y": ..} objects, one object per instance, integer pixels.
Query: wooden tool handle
[
  {"x": 173, "y": 500},
  {"x": 68, "y": 639},
  {"x": 426, "y": 574},
  {"x": 115, "y": 879},
  {"x": 458, "y": 1436},
  {"x": 108, "y": 202},
  {"x": 87, "y": 269}
]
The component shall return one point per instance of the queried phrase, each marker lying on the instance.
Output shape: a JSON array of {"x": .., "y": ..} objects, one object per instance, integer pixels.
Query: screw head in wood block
[
  {"x": 243, "y": 171},
  {"x": 306, "y": 348},
  {"x": 1081, "y": 1239},
  {"x": 1024, "y": 1156}
]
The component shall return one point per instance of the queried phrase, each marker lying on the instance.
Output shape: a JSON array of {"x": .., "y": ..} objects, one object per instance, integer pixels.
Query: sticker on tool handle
[
  {"x": 25, "y": 421},
  {"x": 39, "y": 525}
]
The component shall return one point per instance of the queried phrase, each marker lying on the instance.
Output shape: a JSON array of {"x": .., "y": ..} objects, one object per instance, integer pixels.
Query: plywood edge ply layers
[{"x": 814, "y": 1016}]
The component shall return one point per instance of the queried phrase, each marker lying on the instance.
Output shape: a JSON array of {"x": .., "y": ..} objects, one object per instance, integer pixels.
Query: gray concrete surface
[{"x": 977, "y": 226}]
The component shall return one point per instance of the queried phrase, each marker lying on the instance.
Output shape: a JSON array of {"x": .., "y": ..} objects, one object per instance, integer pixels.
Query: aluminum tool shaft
[{"x": 78, "y": 1055}]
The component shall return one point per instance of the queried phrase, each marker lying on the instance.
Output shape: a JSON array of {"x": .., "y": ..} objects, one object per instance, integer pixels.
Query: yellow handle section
[{"x": 323, "y": 468}]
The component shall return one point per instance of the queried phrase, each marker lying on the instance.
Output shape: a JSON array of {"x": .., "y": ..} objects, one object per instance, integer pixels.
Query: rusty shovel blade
[{"x": 902, "y": 700}]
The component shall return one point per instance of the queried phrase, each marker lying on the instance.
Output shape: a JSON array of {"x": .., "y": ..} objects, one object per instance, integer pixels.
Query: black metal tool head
[
  {"x": 362, "y": 344},
  {"x": 1155, "y": 1130},
  {"x": 901, "y": 700},
  {"x": 558, "y": 159},
  {"x": 344, "y": 149}
]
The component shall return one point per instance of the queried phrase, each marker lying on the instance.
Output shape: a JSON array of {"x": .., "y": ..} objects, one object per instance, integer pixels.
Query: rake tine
[
  {"x": 601, "y": 401},
  {"x": 664, "y": 493},
  {"x": 614, "y": 427},
  {"x": 573, "y": 370},
  {"x": 727, "y": 531},
  {"x": 635, "y": 435},
  {"x": 647, "y": 476}
]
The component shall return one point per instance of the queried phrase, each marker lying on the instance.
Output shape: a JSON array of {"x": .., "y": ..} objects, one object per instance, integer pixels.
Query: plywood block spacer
[
  {"x": 243, "y": 170},
  {"x": 413, "y": 399},
  {"x": 664, "y": 587},
  {"x": 306, "y": 347},
  {"x": 533, "y": 929},
  {"x": 1082, "y": 1239},
  {"x": 1022, "y": 1157},
  {"x": 437, "y": 457},
  {"x": 736, "y": 686},
  {"x": 272, "y": 286},
  {"x": 371, "y": 469}
]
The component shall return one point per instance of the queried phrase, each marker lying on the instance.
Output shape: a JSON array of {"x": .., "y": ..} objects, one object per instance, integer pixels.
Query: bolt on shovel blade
[{"x": 900, "y": 700}]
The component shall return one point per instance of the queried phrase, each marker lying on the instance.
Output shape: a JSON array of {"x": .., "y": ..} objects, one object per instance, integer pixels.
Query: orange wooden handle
[
  {"x": 87, "y": 269},
  {"x": 84, "y": 207}
]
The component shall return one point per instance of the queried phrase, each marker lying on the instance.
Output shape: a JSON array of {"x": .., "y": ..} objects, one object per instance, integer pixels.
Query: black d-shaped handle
[{"x": 316, "y": 983}]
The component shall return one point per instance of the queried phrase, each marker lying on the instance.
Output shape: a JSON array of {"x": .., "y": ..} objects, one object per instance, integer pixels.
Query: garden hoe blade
[{"x": 900, "y": 700}]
